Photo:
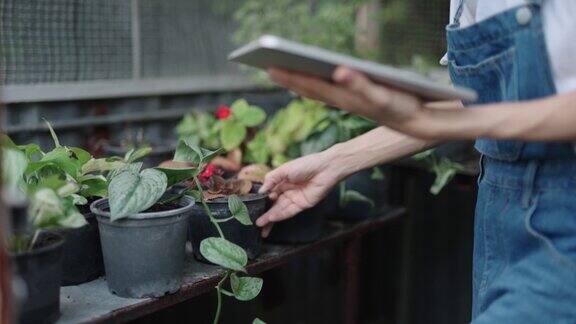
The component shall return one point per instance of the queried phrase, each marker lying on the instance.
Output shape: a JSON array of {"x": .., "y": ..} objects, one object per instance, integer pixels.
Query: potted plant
[
  {"x": 143, "y": 231},
  {"x": 83, "y": 175},
  {"x": 36, "y": 251},
  {"x": 142, "y": 214},
  {"x": 235, "y": 204},
  {"x": 214, "y": 245}
]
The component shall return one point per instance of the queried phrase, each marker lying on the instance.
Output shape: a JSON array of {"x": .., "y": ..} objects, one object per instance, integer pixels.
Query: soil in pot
[
  {"x": 374, "y": 190},
  {"x": 144, "y": 253},
  {"x": 82, "y": 260},
  {"x": 158, "y": 155},
  {"x": 246, "y": 236},
  {"x": 306, "y": 226},
  {"x": 41, "y": 271}
]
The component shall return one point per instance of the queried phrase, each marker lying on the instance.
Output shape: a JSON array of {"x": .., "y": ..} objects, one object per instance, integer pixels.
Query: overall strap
[
  {"x": 460, "y": 10},
  {"x": 458, "y": 13}
]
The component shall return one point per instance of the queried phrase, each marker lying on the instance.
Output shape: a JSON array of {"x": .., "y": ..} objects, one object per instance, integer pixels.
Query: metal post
[
  {"x": 136, "y": 38},
  {"x": 351, "y": 291}
]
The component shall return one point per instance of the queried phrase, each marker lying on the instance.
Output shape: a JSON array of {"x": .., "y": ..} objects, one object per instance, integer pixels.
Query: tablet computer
[{"x": 272, "y": 51}]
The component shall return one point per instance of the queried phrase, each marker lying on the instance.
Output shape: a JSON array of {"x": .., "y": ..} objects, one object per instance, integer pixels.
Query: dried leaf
[
  {"x": 226, "y": 164},
  {"x": 216, "y": 184},
  {"x": 235, "y": 156},
  {"x": 237, "y": 187},
  {"x": 210, "y": 196},
  {"x": 254, "y": 173},
  {"x": 171, "y": 164}
]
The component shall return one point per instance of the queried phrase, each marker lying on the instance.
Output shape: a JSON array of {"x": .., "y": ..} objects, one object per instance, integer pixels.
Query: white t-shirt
[{"x": 559, "y": 18}]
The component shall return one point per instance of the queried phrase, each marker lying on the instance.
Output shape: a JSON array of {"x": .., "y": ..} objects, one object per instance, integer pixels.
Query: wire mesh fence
[
  {"x": 64, "y": 40},
  {"x": 182, "y": 38},
  {"x": 82, "y": 40}
]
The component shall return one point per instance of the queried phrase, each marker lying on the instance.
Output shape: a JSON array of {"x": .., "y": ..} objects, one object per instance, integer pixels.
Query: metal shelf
[{"x": 93, "y": 303}]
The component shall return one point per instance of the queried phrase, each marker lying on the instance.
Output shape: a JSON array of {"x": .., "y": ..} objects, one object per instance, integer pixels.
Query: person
[{"x": 519, "y": 56}]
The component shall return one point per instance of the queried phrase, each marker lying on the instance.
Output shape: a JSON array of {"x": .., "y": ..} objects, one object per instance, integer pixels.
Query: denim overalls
[{"x": 525, "y": 224}]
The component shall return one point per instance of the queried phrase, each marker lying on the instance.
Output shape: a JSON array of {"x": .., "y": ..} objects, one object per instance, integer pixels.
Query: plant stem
[
  {"x": 224, "y": 220},
  {"x": 34, "y": 238},
  {"x": 206, "y": 208},
  {"x": 219, "y": 295}
]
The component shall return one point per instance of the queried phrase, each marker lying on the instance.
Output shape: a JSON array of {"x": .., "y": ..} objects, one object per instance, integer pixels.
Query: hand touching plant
[{"x": 298, "y": 185}]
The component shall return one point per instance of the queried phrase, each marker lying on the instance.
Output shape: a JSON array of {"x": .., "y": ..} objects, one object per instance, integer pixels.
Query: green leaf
[
  {"x": 48, "y": 210},
  {"x": 245, "y": 288},
  {"x": 348, "y": 196},
  {"x": 131, "y": 192},
  {"x": 423, "y": 155},
  {"x": 101, "y": 165},
  {"x": 232, "y": 134},
  {"x": 175, "y": 176},
  {"x": 188, "y": 152},
  {"x": 445, "y": 171},
  {"x": 134, "y": 166},
  {"x": 136, "y": 154},
  {"x": 249, "y": 116},
  {"x": 32, "y": 151},
  {"x": 239, "y": 210},
  {"x": 68, "y": 189},
  {"x": 224, "y": 253},
  {"x": 377, "y": 174},
  {"x": 60, "y": 157},
  {"x": 14, "y": 164},
  {"x": 258, "y": 321},
  {"x": 74, "y": 219},
  {"x": 80, "y": 154},
  {"x": 78, "y": 200},
  {"x": 53, "y": 134},
  {"x": 257, "y": 149},
  {"x": 95, "y": 187},
  {"x": 319, "y": 141}
]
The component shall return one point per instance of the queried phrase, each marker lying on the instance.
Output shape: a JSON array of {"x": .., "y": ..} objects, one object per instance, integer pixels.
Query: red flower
[
  {"x": 223, "y": 112},
  {"x": 207, "y": 173}
]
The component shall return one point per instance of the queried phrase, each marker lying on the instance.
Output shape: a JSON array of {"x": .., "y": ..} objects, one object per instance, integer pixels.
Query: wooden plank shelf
[{"x": 93, "y": 303}]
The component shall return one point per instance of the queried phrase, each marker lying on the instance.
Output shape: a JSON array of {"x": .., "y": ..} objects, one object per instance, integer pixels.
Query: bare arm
[
  {"x": 548, "y": 119},
  {"x": 302, "y": 183},
  {"x": 379, "y": 146}
]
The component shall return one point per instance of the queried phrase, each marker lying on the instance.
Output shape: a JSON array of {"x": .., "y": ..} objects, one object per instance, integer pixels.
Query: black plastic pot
[
  {"x": 144, "y": 253},
  {"x": 306, "y": 226},
  {"x": 158, "y": 155},
  {"x": 246, "y": 236},
  {"x": 376, "y": 190},
  {"x": 41, "y": 271},
  {"x": 82, "y": 261}
]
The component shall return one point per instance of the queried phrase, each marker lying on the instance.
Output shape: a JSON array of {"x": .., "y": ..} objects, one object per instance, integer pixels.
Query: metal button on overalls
[{"x": 523, "y": 15}]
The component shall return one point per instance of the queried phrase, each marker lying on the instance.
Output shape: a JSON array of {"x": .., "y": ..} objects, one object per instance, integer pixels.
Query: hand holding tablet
[{"x": 275, "y": 52}]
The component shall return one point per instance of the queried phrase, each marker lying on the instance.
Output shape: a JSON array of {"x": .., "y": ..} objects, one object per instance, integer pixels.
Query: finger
[
  {"x": 266, "y": 230},
  {"x": 282, "y": 209},
  {"x": 272, "y": 179},
  {"x": 319, "y": 89},
  {"x": 359, "y": 83}
]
